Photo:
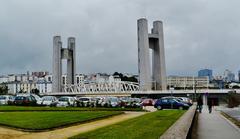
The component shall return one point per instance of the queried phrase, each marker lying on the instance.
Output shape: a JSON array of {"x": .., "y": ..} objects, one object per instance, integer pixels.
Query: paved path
[
  {"x": 215, "y": 126},
  {"x": 69, "y": 131}
]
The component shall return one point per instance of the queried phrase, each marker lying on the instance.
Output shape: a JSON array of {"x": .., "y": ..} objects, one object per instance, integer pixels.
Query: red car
[
  {"x": 147, "y": 102},
  {"x": 25, "y": 101}
]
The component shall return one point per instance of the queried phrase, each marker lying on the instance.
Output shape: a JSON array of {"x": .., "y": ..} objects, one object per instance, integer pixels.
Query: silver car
[
  {"x": 49, "y": 101},
  {"x": 66, "y": 101},
  {"x": 5, "y": 98}
]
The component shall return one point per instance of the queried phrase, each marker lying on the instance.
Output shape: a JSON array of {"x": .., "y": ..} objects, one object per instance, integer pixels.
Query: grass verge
[
  {"x": 29, "y": 108},
  {"x": 233, "y": 120},
  {"x": 148, "y": 126},
  {"x": 39, "y": 121}
]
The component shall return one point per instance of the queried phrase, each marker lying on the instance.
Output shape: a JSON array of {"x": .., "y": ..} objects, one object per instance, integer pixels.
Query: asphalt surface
[{"x": 215, "y": 126}]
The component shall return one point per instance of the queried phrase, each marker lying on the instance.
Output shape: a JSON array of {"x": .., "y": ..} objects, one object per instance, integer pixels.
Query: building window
[
  {"x": 63, "y": 80},
  {"x": 49, "y": 79}
]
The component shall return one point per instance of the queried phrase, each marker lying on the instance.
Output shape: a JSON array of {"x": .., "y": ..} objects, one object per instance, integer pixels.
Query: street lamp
[
  {"x": 171, "y": 89},
  {"x": 195, "y": 90}
]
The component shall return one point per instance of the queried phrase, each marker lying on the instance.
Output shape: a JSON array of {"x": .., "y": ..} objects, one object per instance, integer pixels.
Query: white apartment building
[
  {"x": 25, "y": 83},
  {"x": 44, "y": 86},
  {"x": 188, "y": 82},
  {"x": 3, "y": 79}
]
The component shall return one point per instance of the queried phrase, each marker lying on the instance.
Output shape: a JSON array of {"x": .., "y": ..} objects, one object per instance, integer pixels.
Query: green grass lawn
[
  {"x": 27, "y": 108},
  {"x": 148, "y": 126},
  {"x": 50, "y": 120}
]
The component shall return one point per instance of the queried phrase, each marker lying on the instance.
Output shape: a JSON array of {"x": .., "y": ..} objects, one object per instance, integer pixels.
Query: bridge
[
  {"x": 131, "y": 89},
  {"x": 119, "y": 88},
  {"x": 124, "y": 88}
]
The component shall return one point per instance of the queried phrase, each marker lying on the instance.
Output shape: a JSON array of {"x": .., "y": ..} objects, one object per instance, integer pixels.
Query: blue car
[{"x": 170, "y": 103}]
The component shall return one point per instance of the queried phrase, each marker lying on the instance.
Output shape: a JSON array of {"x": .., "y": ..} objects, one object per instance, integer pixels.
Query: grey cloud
[{"x": 198, "y": 34}]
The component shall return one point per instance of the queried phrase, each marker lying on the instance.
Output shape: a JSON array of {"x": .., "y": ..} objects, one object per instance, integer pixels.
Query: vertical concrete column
[
  {"x": 159, "y": 67},
  {"x": 143, "y": 56},
  {"x": 71, "y": 62},
  {"x": 57, "y": 64}
]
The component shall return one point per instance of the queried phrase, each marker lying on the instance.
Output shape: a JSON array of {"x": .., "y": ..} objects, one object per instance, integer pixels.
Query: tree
[
  {"x": 125, "y": 78},
  {"x": 35, "y": 91},
  {"x": 3, "y": 89},
  {"x": 21, "y": 91}
]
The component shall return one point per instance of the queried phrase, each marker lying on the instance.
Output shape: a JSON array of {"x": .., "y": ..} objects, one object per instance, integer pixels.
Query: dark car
[
  {"x": 170, "y": 103},
  {"x": 25, "y": 101}
]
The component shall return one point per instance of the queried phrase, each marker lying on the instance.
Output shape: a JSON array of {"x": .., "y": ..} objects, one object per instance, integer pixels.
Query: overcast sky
[{"x": 198, "y": 34}]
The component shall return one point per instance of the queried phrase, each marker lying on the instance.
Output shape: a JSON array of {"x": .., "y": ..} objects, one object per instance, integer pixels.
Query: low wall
[{"x": 180, "y": 129}]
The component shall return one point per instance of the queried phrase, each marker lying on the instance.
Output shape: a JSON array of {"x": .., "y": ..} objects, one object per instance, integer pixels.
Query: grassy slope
[
  {"x": 22, "y": 108},
  {"x": 148, "y": 126},
  {"x": 46, "y": 120}
]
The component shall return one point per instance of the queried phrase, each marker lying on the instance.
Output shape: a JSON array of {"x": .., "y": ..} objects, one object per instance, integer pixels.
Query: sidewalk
[{"x": 214, "y": 126}]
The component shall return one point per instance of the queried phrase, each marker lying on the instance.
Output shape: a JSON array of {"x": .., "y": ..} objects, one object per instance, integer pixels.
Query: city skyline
[{"x": 208, "y": 41}]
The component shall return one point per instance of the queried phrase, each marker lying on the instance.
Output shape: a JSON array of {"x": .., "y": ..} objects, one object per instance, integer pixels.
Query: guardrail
[{"x": 180, "y": 129}]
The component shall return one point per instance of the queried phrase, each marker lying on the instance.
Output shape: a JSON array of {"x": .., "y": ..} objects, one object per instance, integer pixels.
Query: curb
[{"x": 229, "y": 119}]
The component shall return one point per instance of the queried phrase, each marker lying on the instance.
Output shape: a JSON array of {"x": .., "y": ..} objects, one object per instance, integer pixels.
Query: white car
[
  {"x": 49, "y": 100},
  {"x": 66, "y": 101},
  {"x": 85, "y": 101},
  {"x": 5, "y": 98},
  {"x": 39, "y": 99},
  {"x": 186, "y": 100}
]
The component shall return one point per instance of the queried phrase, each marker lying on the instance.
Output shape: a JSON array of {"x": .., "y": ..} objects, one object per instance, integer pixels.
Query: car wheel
[
  {"x": 180, "y": 108},
  {"x": 159, "y": 107}
]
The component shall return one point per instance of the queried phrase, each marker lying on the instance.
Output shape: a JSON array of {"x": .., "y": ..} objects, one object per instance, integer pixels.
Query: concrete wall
[{"x": 180, "y": 129}]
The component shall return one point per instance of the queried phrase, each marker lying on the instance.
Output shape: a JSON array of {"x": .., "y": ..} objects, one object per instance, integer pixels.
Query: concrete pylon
[
  {"x": 71, "y": 68},
  {"x": 60, "y": 53},
  {"x": 154, "y": 41},
  {"x": 57, "y": 64},
  {"x": 143, "y": 56}
]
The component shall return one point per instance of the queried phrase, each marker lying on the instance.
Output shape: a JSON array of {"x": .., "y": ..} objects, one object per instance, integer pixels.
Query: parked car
[
  {"x": 39, "y": 99},
  {"x": 114, "y": 101},
  {"x": 25, "y": 100},
  {"x": 99, "y": 101},
  {"x": 125, "y": 102},
  {"x": 49, "y": 101},
  {"x": 110, "y": 102},
  {"x": 186, "y": 100},
  {"x": 134, "y": 103},
  {"x": 5, "y": 98},
  {"x": 66, "y": 101},
  {"x": 11, "y": 101},
  {"x": 85, "y": 102},
  {"x": 147, "y": 102},
  {"x": 170, "y": 103}
]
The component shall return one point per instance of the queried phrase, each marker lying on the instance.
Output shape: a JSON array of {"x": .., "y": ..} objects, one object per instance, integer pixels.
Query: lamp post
[
  {"x": 171, "y": 89},
  {"x": 195, "y": 90}
]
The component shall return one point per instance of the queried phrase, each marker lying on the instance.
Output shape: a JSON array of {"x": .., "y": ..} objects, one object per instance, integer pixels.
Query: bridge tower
[
  {"x": 60, "y": 53},
  {"x": 154, "y": 41}
]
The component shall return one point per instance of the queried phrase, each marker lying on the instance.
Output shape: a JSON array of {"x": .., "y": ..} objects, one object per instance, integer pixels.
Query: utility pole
[
  {"x": 171, "y": 89},
  {"x": 195, "y": 89}
]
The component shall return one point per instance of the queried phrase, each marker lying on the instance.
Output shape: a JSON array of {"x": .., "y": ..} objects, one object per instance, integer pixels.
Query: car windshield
[
  {"x": 177, "y": 100},
  {"x": 136, "y": 100},
  {"x": 19, "y": 98},
  {"x": 36, "y": 96},
  {"x": 84, "y": 99},
  {"x": 47, "y": 98},
  {"x": 113, "y": 99},
  {"x": 2, "y": 97},
  {"x": 63, "y": 99}
]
